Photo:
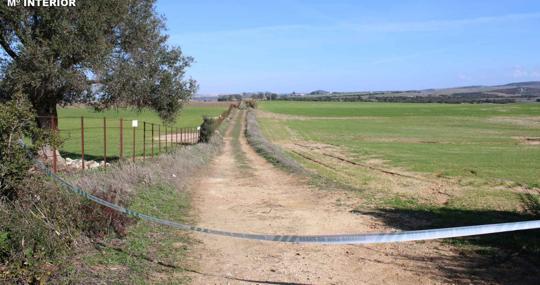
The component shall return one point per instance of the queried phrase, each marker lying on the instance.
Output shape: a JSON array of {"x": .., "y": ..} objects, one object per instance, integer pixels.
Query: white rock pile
[{"x": 88, "y": 164}]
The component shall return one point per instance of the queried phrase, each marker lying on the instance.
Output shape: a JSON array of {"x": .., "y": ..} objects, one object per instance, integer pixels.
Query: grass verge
[
  {"x": 150, "y": 253},
  {"x": 239, "y": 155},
  {"x": 271, "y": 152}
]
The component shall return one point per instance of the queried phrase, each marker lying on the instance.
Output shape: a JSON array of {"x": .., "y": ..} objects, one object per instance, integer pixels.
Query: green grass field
[
  {"x": 483, "y": 140},
  {"x": 475, "y": 162},
  {"x": 70, "y": 129}
]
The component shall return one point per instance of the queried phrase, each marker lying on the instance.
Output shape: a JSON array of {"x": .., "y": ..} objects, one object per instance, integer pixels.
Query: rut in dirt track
[{"x": 255, "y": 197}]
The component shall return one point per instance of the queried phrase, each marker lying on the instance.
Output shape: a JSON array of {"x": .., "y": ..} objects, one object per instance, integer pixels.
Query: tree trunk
[
  {"x": 46, "y": 115},
  {"x": 47, "y": 118}
]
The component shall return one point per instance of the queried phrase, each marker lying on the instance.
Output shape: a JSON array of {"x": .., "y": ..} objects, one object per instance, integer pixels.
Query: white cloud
[{"x": 520, "y": 72}]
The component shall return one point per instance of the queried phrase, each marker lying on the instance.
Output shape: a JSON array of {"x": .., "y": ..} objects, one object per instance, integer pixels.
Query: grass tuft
[{"x": 271, "y": 152}]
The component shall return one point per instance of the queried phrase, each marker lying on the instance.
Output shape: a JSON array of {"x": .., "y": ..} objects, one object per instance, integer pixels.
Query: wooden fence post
[
  {"x": 133, "y": 145},
  {"x": 144, "y": 140},
  {"x": 82, "y": 142},
  {"x": 121, "y": 138},
  {"x": 53, "y": 132},
  {"x": 104, "y": 142}
]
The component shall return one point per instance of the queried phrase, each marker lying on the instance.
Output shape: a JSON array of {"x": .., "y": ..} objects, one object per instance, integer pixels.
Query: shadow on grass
[
  {"x": 504, "y": 258},
  {"x": 73, "y": 155}
]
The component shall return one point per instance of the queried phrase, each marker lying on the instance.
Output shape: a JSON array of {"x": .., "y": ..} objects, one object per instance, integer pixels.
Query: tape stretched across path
[{"x": 398, "y": 236}]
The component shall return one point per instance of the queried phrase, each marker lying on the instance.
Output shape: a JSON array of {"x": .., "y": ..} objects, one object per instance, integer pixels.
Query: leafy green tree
[{"x": 104, "y": 52}]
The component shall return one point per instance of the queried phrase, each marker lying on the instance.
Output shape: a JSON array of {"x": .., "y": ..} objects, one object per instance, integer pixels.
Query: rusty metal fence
[{"x": 90, "y": 142}]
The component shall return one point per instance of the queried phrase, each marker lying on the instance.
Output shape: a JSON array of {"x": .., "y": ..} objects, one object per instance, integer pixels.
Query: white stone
[{"x": 92, "y": 164}]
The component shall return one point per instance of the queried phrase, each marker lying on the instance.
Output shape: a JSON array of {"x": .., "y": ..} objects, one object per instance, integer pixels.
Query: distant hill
[
  {"x": 507, "y": 93},
  {"x": 528, "y": 91},
  {"x": 535, "y": 84},
  {"x": 319, "y": 92}
]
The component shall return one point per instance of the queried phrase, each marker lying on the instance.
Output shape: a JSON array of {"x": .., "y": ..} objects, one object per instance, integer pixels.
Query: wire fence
[
  {"x": 90, "y": 142},
  {"x": 361, "y": 238}
]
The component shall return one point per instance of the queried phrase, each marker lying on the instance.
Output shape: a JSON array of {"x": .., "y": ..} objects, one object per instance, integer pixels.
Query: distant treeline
[
  {"x": 474, "y": 97},
  {"x": 256, "y": 95},
  {"x": 497, "y": 96}
]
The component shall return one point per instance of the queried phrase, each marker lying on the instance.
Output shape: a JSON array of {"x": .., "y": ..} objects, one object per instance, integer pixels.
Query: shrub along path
[{"x": 264, "y": 199}]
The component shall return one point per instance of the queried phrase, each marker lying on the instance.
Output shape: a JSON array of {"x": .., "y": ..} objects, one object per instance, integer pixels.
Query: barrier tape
[{"x": 398, "y": 236}]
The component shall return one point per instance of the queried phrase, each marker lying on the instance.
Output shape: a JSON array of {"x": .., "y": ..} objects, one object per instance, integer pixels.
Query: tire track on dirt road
[{"x": 264, "y": 199}]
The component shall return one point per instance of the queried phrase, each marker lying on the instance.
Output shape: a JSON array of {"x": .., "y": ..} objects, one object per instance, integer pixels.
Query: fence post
[
  {"x": 121, "y": 138},
  {"x": 144, "y": 140},
  {"x": 82, "y": 142},
  {"x": 53, "y": 132},
  {"x": 104, "y": 142},
  {"x": 133, "y": 145},
  {"x": 176, "y": 136},
  {"x": 159, "y": 140},
  {"x": 152, "y": 140},
  {"x": 166, "y": 138}
]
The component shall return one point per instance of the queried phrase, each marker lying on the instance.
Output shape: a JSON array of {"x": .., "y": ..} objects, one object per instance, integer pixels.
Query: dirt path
[{"x": 263, "y": 199}]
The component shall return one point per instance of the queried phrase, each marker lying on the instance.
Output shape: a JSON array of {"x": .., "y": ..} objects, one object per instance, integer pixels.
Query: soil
[
  {"x": 264, "y": 199},
  {"x": 528, "y": 140}
]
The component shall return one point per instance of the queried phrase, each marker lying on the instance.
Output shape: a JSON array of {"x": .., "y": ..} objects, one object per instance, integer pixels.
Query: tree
[{"x": 104, "y": 52}]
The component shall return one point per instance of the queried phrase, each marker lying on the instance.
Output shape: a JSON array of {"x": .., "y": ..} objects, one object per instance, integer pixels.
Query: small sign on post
[{"x": 134, "y": 124}]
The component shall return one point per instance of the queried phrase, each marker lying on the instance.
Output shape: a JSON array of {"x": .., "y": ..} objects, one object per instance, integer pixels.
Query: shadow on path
[{"x": 504, "y": 258}]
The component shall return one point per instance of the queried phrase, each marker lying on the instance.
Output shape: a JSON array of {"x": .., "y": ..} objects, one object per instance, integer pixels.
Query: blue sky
[{"x": 294, "y": 45}]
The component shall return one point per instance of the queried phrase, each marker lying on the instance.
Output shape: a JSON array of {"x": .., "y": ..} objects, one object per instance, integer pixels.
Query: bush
[
  {"x": 39, "y": 222},
  {"x": 207, "y": 129},
  {"x": 38, "y": 229},
  {"x": 251, "y": 103},
  {"x": 16, "y": 122},
  {"x": 99, "y": 221}
]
